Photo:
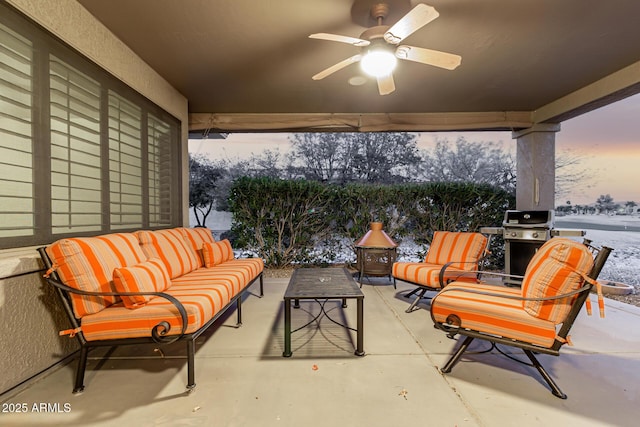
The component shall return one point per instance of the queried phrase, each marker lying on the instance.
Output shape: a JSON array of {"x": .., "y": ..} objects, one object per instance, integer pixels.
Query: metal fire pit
[
  {"x": 377, "y": 262},
  {"x": 375, "y": 253}
]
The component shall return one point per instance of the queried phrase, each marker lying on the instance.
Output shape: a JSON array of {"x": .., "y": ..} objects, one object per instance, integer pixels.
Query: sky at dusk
[{"x": 607, "y": 142}]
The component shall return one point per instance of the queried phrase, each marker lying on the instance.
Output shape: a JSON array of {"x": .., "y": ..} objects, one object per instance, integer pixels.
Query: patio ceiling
[{"x": 246, "y": 65}]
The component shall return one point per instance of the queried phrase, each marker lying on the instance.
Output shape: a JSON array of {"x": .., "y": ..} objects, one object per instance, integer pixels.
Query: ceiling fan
[{"x": 379, "y": 51}]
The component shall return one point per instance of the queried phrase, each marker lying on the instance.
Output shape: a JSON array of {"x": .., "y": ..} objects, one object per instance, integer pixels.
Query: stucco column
[{"x": 536, "y": 167}]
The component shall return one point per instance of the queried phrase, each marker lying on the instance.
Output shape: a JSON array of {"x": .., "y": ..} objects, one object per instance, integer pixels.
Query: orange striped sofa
[
  {"x": 156, "y": 286},
  {"x": 535, "y": 318},
  {"x": 452, "y": 255}
]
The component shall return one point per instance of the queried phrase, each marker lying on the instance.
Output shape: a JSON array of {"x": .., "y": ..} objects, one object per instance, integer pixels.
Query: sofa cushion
[
  {"x": 217, "y": 252},
  {"x": 251, "y": 267},
  {"x": 491, "y": 314},
  {"x": 170, "y": 246},
  {"x": 201, "y": 302},
  {"x": 465, "y": 248},
  {"x": 87, "y": 263},
  {"x": 197, "y": 237},
  {"x": 148, "y": 276},
  {"x": 556, "y": 268}
]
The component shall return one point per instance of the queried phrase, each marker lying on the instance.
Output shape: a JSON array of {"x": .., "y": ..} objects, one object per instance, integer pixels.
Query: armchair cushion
[
  {"x": 558, "y": 267},
  {"x": 463, "y": 247},
  {"x": 422, "y": 273},
  {"x": 492, "y": 314},
  {"x": 149, "y": 276}
]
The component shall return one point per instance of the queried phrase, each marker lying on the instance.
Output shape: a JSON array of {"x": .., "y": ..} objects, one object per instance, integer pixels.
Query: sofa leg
[
  {"x": 239, "y": 309},
  {"x": 261, "y": 286},
  {"x": 191, "y": 362},
  {"x": 82, "y": 366}
]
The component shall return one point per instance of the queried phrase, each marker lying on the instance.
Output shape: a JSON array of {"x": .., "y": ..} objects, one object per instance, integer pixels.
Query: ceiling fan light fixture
[{"x": 378, "y": 62}]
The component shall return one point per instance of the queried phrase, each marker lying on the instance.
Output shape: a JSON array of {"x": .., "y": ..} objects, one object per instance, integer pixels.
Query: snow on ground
[{"x": 620, "y": 232}]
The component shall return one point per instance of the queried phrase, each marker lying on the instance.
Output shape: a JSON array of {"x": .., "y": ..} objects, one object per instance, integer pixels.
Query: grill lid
[{"x": 528, "y": 219}]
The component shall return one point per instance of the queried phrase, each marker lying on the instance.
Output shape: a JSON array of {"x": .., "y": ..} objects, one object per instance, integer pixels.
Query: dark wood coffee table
[{"x": 321, "y": 285}]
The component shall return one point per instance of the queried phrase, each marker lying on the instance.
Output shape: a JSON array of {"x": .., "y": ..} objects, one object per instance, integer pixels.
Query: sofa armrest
[{"x": 159, "y": 331}]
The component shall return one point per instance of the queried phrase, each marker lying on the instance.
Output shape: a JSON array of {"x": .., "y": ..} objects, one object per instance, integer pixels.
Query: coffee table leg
[
  {"x": 360, "y": 334},
  {"x": 287, "y": 328}
]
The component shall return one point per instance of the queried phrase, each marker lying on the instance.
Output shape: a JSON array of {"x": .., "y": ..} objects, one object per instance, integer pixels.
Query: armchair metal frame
[{"x": 452, "y": 325}]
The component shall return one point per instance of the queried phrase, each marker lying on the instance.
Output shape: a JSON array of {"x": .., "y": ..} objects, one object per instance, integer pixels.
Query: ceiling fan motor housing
[
  {"x": 374, "y": 33},
  {"x": 379, "y": 11}
]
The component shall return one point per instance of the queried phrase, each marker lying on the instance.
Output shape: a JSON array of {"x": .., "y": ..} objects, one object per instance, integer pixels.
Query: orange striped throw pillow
[
  {"x": 463, "y": 247},
  {"x": 197, "y": 237},
  {"x": 171, "y": 248},
  {"x": 555, "y": 269},
  {"x": 87, "y": 263},
  {"x": 217, "y": 252},
  {"x": 148, "y": 276}
]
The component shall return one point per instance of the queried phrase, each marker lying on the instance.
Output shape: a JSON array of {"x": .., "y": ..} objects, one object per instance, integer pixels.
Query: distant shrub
[{"x": 284, "y": 220}]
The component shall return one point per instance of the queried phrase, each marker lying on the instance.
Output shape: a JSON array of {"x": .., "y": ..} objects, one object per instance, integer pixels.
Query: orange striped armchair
[
  {"x": 451, "y": 256},
  {"x": 535, "y": 318}
]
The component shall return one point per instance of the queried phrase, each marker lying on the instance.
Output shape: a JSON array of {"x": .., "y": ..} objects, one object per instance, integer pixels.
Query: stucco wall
[
  {"x": 30, "y": 318},
  {"x": 30, "y": 315}
]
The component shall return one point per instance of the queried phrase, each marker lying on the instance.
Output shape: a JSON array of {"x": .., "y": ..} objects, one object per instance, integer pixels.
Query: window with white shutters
[
  {"x": 81, "y": 153},
  {"x": 16, "y": 136}
]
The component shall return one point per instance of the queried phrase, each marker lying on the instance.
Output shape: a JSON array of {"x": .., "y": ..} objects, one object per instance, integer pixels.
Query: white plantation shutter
[
  {"x": 16, "y": 148},
  {"x": 159, "y": 159},
  {"x": 125, "y": 163},
  {"x": 76, "y": 192}
]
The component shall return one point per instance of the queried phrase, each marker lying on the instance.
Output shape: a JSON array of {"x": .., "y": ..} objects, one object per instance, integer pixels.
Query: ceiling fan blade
[
  {"x": 342, "y": 39},
  {"x": 417, "y": 18},
  {"x": 339, "y": 66},
  {"x": 436, "y": 58},
  {"x": 386, "y": 85}
]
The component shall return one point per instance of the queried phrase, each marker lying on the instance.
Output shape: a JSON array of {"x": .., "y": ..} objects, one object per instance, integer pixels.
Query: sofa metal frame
[
  {"x": 158, "y": 333},
  {"x": 452, "y": 325}
]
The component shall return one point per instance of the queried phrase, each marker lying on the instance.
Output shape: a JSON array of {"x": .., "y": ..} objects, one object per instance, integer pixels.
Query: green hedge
[{"x": 284, "y": 220}]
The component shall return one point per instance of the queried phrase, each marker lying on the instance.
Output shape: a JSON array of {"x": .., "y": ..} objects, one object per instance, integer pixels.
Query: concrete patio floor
[{"x": 243, "y": 380}]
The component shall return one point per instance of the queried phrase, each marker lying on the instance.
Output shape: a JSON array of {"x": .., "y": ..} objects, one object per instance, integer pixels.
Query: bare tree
[
  {"x": 268, "y": 163},
  {"x": 384, "y": 157},
  {"x": 481, "y": 162},
  {"x": 319, "y": 155},
  {"x": 571, "y": 177},
  {"x": 348, "y": 157}
]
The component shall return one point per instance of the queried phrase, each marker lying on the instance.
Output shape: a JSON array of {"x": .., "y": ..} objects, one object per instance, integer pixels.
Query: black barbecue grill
[{"x": 524, "y": 232}]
